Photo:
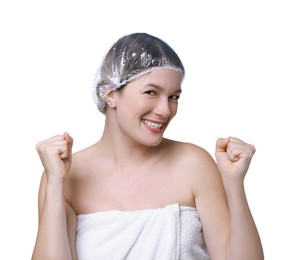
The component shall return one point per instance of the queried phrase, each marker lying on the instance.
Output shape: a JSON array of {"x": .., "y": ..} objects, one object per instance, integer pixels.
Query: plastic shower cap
[{"x": 130, "y": 57}]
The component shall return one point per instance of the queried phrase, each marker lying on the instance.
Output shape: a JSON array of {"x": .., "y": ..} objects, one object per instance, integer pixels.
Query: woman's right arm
[{"x": 57, "y": 220}]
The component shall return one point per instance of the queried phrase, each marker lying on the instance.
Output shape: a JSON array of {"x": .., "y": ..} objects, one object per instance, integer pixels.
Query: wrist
[
  {"x": 55, "y": 179},
  {"x": 55, "y": 190},
  {"x": 233, "y": 187}
]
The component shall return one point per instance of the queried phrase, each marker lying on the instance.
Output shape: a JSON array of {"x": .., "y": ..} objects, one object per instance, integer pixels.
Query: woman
[{"x": 135, "y": 194}]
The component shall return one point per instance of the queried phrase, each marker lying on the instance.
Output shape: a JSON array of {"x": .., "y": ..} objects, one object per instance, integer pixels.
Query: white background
[{"x": 241, "y": 64}]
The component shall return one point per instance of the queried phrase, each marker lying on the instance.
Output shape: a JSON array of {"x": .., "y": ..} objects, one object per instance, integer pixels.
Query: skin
[{"x": 133, "y": 167}]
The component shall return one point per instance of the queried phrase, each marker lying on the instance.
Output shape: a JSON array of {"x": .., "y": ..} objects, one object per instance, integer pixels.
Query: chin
[{"x": 155, "y": 143}]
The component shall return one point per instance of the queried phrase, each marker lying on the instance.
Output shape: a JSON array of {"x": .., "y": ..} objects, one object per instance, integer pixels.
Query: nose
[{"x": 163, "y": 107}]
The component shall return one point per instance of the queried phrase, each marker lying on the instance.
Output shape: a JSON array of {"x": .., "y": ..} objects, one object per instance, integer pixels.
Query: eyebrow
[{"x": 160, "y": 88}]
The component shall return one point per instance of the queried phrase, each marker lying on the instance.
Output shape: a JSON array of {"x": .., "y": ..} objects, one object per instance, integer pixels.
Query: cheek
[
  {"x": 135, "y": 105},
  {"x": 142, "y": 105},
  {"x": 173, "y": 109},
  {"x": 129, "y": 107},
  {"x": 127, "y": 99}
]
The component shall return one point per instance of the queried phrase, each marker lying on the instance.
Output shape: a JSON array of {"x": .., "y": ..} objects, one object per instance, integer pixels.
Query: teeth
[{"x": 153, "y": 125}]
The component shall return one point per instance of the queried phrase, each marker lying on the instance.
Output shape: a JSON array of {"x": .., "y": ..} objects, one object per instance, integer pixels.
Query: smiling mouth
[{"x": 152, "y": 124}]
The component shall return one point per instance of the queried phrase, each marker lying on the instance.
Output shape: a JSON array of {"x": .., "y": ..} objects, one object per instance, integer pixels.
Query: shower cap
[{"x": 132, "y": 56}]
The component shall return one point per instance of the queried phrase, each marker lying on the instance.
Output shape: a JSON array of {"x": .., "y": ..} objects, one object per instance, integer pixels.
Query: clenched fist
[
  {"x": 233, "y": 158},
  {"x": 55, "y": 154}
]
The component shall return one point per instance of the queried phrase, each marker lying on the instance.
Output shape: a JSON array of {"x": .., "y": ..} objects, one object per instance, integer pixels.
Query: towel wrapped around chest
[{"x": 173, "y": 232}]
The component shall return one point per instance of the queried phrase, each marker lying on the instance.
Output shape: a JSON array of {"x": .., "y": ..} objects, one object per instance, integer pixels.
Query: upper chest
[{"x": 93, "y": 189}]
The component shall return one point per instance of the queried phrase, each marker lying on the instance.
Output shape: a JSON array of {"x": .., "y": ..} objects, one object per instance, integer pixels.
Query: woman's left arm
[{"x": 233, "y": 159}]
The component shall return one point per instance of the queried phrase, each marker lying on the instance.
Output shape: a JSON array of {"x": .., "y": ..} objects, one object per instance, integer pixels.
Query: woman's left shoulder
[
  {"x": 189, "y": 152},
  {"x": 194, "y": 168}
]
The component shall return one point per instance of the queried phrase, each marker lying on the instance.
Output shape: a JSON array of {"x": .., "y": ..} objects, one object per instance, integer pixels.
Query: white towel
[{"x": 169, "y": 233}]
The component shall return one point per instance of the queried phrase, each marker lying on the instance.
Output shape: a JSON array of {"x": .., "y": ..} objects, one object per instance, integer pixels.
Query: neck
[{"x": 124, "y": 152}]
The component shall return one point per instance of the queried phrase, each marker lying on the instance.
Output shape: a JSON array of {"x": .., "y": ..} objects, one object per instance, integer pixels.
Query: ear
[{"x": 111, "y": 99}]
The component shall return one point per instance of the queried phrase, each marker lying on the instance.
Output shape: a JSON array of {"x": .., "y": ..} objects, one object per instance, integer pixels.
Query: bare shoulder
[
  {"x": 84, "y": 159},
  {"x": 190, "y": 156},
  {"x": 86, "y": 164},
  {"x": 84, "y": 153},
  {"x": 194, "y": 166}
]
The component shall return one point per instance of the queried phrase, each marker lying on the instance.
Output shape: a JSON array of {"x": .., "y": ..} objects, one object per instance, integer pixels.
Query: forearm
[
  {"x": 244, "y": 242},
  {"x": 52, "y": 239}
]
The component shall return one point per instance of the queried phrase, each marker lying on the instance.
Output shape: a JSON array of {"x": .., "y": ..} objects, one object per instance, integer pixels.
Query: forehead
[{"x": 163, "y": 78}]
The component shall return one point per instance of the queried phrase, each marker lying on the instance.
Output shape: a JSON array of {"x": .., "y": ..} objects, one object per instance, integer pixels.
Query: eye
[
  {"x": 150, "y": 92},
  {"x": 174, "y": 97}
]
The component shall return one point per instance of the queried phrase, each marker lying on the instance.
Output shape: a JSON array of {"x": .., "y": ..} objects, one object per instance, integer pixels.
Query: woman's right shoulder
[{"x": 85, "y": 155}]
